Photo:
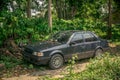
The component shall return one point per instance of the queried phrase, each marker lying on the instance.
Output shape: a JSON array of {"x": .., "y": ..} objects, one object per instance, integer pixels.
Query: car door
[
  {"x": 91, "y": 43},
  {"x": 66, "y": 48},
  {"x": 77, "y": 44}
]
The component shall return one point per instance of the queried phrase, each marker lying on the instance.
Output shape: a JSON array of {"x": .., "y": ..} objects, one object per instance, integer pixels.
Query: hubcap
[
  {"x": 99, "y": 53},
  {"x": 57, "y": 62}
]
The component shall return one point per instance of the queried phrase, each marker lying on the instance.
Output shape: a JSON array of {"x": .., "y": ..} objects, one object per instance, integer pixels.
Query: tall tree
[
  {"x": 28, "y": 8},
  {"x": 109, "y": 20},
  {"x": 3, "y": 5},
  {"x": 49, "y": 15}
]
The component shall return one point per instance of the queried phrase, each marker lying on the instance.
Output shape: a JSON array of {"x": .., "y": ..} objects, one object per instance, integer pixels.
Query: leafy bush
[
  {"x": 105, "y": 68},
  {"x": 9, "y": 62},
  {"x": 116, "y": 32},
  {"x": 22, "y": 29}
]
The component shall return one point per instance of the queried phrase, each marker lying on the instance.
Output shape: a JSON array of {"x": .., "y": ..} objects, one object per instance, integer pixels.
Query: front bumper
[{"x": 35, "y": 59}]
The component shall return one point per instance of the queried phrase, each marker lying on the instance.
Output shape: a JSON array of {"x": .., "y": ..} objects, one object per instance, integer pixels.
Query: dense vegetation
[
  {"x": 18, "y": 25},
  {"x": 88, "y": 15},
  {"x": 104, "y": 68}
]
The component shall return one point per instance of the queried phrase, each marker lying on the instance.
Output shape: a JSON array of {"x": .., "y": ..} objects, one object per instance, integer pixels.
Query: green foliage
[
  {"x": 115, "y": 32},
  {"x": 31, "y": 66},
  {"x": 105, "y": 68},
  {"x": 25, "y": 30},
  {"x": 9, "y": 62},
  {"x": 97, "y": 26},
  {"x": 22, "y": 29},
  {"x": 71, "y": 64},
  {"x": 88, "y": 16},
  {"x": 3, "y": 4}
]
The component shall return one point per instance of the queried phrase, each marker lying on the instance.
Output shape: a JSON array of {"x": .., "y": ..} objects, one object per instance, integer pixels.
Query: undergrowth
[
  {"x": 9, "y": 61},
  {"x": 105, "y": 68}
]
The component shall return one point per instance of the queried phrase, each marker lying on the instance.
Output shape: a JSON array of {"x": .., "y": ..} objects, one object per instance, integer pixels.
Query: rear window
[{"x": 89, "y": 37}]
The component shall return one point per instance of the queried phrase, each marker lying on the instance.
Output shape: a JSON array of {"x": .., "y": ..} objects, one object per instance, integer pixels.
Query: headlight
[{"x": 38, "y": 54}]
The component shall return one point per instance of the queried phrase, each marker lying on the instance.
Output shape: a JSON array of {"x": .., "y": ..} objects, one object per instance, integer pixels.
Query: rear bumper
[{"x": 35, "y": 59}]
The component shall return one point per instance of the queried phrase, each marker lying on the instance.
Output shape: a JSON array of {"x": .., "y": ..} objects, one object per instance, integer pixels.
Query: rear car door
[{"x": 91, "y": 43}]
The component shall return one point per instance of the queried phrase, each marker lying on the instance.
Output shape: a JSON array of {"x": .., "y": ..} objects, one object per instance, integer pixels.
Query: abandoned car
[{"x": 62, "y": 46}]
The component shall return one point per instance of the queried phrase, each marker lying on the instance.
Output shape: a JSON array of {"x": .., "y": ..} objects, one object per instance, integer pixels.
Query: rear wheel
[
  {"x": 98, "y": 52},
  {"x": 56, "y": 61}
]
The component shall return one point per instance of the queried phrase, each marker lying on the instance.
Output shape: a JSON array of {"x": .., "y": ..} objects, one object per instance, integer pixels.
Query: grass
[
  {"x": 9, "y": 62},
  {"x": 16, "y": 67},
  {"x": 105, "y": 68}
]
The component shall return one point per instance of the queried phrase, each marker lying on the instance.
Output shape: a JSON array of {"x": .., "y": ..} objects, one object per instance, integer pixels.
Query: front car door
[{"x": 77, "y": 43}]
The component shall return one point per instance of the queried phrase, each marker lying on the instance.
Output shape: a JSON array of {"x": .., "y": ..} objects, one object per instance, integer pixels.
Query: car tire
[
  {"x": 56, "y": 61},
  {"x": 98, "y": 52}
]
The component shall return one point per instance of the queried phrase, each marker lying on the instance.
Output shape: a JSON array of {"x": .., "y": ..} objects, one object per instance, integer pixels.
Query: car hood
[{"x": 38, "y": 46}]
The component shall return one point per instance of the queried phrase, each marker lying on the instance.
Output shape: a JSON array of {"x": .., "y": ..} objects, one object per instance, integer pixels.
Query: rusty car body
[{"x": 61, "y": 47}]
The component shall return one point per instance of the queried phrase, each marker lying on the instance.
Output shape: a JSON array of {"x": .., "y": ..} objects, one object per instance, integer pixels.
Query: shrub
[
  {"x": 105, "y": 68},
  {"x": 9, "y": 61}
]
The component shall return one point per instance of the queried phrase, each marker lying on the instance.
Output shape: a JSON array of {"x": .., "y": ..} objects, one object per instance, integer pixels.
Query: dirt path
[{"x": 78, "y": 67}]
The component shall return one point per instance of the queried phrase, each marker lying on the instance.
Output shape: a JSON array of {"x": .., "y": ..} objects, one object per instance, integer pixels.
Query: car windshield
[{"x": 61, "y": 37}]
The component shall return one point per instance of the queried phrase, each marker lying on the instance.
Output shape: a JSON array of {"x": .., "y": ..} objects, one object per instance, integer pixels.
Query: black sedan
[{"x": 62, "y": 46}]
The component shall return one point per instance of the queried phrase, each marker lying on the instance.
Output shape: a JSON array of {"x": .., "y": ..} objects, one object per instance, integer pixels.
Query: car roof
[{"x": 74, "y": 31}]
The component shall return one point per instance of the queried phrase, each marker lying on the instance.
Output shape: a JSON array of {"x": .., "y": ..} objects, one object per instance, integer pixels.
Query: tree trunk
[
  {"x": 28, "y": 8},
  {"x": 59, "y": 10},
  {"x": 65, "y": 10},
  {"x": 49, "y": 15},
  {"x": 109, "y": 20},
  {"x": 12, "y": 6}
]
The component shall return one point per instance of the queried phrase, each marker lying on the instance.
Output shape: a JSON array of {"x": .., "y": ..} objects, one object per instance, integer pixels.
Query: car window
[
  {"x": 77, "y": 38},
  {"x": 62, "y": 37},
  {"x": 89, "y": 37}
]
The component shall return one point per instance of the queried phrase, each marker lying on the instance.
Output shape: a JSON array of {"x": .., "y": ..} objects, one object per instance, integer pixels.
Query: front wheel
[
  {"x": 56, "y": 61},
  {"x": 98, "y": 52}
]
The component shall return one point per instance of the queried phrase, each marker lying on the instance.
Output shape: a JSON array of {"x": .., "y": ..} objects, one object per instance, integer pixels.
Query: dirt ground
[{"x": 78, "y": 67}]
